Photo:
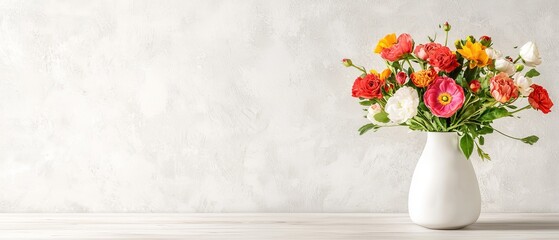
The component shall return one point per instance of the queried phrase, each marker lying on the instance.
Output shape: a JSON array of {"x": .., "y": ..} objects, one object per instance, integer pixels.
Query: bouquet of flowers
[{"x": 429, "y": 87}]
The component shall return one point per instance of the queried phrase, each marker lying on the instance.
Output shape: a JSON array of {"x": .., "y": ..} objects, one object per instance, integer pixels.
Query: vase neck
[{"x": 446, "y": 140}]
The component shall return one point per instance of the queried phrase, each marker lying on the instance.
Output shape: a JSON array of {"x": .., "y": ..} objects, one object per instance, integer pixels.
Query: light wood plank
[{"x": 267, "y": 226}]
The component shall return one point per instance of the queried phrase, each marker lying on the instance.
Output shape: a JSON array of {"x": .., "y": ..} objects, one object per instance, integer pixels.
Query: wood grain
[{"x": 267, "y": 226}]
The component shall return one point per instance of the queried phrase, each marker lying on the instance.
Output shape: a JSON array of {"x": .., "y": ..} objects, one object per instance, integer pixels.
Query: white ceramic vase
[{"x": 444, "y": 192}]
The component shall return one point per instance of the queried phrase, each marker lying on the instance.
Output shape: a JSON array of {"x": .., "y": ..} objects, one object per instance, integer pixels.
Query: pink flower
[
  {"x": 401, "y": 78},
  {"x": 444, "y": 97},
  {"x": 423, "y": 51},
  {"x": 502, "y": 88},
  {"x": 396, "y": 51}
]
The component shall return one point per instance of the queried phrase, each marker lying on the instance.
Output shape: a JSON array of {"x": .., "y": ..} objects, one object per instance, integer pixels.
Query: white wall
[{"x": 210, "y": 106}]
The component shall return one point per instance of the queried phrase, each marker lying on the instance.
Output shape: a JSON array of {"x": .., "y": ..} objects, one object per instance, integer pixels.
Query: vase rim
[{"x": 442, "y": 133}]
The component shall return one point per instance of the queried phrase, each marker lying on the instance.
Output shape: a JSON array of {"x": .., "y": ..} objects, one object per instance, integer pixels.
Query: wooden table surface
[{"x": 267, "y": 226}]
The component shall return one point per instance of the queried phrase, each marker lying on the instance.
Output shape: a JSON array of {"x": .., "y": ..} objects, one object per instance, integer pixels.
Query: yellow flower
[
  {"x": 475, "y": 52},
  {"x": 382, "y": 76},
  {"x": 385, "y": 74},
  {"x": 388, "y": 41}
]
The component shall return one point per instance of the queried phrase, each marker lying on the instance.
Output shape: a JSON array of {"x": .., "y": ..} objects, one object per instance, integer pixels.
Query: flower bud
[
  {"x": 446, "y": 27},
  {"x": 471, "y": 39},
  {"x": 519, "y": 67},
  {"x": 475, "y": 86},
  {"x": 401, "y": 78},
  {"x": 485, "y": 41},
  {"x": 458, "y": 44},
  {"x": 347, "y": 62}
]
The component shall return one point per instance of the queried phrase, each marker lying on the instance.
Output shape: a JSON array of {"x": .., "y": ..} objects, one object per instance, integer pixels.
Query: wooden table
[{"x": 267, "y": 226}]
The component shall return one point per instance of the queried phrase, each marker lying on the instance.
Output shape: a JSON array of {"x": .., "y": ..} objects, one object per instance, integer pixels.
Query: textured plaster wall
[{"x": 227, "y": 106}]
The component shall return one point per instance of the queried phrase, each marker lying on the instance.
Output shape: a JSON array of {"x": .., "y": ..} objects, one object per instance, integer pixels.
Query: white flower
[
  {"x": 505, "y": 66},
  {"x": 530, "y": 54},
  {"x": 494, "y": 54},
  {"x": 523, "y": 84},
  {"x": 403, "y": 105},
  {"x": 372, "y": 111}
]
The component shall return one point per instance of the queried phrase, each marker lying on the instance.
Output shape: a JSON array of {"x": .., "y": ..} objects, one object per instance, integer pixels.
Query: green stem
[
  {"x": 513, "y": 112},
  {"x": 446, "y": 38},
  {"x": 381, "y": 101},
  {"x": 507, "y": 135},
  {"x": 426, "y": 122},
  {"x": 392, "y": 69},
  {"x": 360, "y": 69},
  {"x": 408, "y": 61},
  {"x": 516, "y": 60},
  {"x": 416, "y": 121},
  {"x": 463, "y": 121},
  {"x": 423, "y": 65}
]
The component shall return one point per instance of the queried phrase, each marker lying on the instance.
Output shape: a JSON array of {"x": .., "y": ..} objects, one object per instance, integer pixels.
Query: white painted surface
[
  {"x": 225, "y": 106},
  {"x": 350, "y": 226}
]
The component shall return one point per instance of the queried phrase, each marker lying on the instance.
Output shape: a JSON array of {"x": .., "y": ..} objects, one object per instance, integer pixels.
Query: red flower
[
  {"x": 442, "y": 59},
  {"x": 475, "y": 86},
  {"x": 539, "y": 99},
  {"x": 368, "y": 87}
]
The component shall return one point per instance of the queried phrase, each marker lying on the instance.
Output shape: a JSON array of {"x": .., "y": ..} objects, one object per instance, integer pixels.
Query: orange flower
[
  {"x": 475, "y": 52},
  {"x": 387, "y": 42},
  {"x": 502, "y": 88},
  {"x": 424, "y": 77}
]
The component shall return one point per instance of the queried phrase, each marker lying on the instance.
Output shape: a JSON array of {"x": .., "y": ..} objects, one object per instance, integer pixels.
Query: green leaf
[
  {"x": 460, "y": 80},
  {"x": 485, "y": 130},
  {"x": 511, "y": 106},
  {"x": 440, "y": 124},
  {"x": 532, "y": 73},
  {"x": 365, "y": 128},
  {"x": 366, "y": 103},
  {"x": 482, "y": 154},
  {"x": 472, "y": 130},
  {"x": 428, "y": 115},
  {"x": 494, "y": 113},
  {"x": 414, "y": 126},
  {"x": 432, "y": 39},
  {"x": 469, "y": 110},
  {"x": 396, "y": 65},
  {"x": 467, "y": 145},
  {"x": 481, "y": 140},
  {"x": 530, "y": 140},
  {"x": 382, "y": 117}
]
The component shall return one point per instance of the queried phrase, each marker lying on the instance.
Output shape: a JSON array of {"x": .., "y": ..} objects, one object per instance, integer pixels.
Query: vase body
[{"x": 444, "y": 192}]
